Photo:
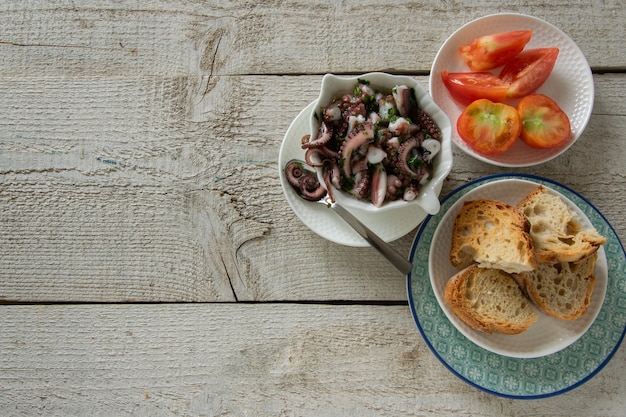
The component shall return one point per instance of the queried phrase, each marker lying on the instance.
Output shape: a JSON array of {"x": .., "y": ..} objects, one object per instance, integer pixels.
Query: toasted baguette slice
[
  {"x": 556, "y": 233},
  {"x": 489, "y": 300},
  {"x": 562, "y": 290},
  {"x": 493, "y": 234}
]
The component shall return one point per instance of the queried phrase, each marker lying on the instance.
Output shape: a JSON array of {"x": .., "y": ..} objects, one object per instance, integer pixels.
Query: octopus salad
[{"x": 376, "y": 146}]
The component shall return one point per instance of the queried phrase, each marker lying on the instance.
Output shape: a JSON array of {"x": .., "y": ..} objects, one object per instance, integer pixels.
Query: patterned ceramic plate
[
  {"x": 520, "y": 377},
  {"x": 570, "y": 83},
  {"x": 548, "y": 335}
]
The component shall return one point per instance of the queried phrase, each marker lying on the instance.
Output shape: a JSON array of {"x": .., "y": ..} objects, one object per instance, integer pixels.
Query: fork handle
[{"x": 396, "y": 259}]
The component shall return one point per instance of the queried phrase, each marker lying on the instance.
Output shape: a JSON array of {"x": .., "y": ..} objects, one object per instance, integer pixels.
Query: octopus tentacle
[
  {"x": 329, "y": 181},
  {"x": 407, "y": 151},
  {"x": 402, "y": 96},
  {"x": 303, "y": 181},
  {"x": 427, "y": 123},
  {"x": 311, "y": 154},
  {"x": 335, "y": 175},
  {"x": 379, "y": 185},
  {"x": 294, "y": 172},
  {"x": 322, "y": 153},
  {"x": 361, "y": 184},
  {"x": 323, "y": 137},
  {"x": 354, "y": 141},
  {"x": 311, "y": 189},
  {"x": 393, "y": 185}
]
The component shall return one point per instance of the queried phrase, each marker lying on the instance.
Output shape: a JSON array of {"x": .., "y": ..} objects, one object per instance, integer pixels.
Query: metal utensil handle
[{"x": 397, "y": 260}]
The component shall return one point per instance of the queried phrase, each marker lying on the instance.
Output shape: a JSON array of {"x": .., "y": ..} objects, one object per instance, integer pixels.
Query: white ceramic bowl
[
  {"x": 428, "y": 198},
  {"x": 570, "y": 84}
]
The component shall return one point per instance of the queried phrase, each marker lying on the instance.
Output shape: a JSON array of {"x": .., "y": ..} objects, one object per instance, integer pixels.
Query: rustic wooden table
[{"x": 150, "y": 265}]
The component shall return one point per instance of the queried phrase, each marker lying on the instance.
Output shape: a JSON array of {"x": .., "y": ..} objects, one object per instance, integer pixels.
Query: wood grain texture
[
  {"x": 145, "y": 190},
  {"x": 149, "y": 263},
  {"x": 115, "y": 38},
  {"x": 249, "y": 359}
]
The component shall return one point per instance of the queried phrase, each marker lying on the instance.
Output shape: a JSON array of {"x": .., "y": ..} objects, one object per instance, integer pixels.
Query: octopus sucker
[
  {"x": 303, "y": 181},
  {"x": 393, "y": 185},
  {"x": 311, "y": 189}
]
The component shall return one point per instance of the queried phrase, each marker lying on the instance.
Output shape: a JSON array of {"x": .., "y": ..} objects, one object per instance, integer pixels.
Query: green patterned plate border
[{"x": 520, "y": 378}]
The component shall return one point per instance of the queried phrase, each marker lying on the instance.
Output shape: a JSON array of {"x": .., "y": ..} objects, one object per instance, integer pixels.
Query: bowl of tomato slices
[{"x": 518, "y": 90}]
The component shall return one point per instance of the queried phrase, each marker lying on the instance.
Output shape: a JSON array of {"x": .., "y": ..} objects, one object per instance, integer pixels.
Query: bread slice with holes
[
  {"x": 489, "y": 300},
  {"x": 494, "y": 235},
  {"x": 556, "y": 232},
  {"x": 562, "y": 289}
]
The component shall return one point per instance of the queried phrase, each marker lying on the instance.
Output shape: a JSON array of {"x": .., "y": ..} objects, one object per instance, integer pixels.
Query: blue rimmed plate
[{"x": 520, "y": 376}]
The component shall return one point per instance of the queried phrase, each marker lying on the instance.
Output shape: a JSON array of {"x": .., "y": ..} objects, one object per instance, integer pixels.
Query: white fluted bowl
[{"x": 428, "y": 198}]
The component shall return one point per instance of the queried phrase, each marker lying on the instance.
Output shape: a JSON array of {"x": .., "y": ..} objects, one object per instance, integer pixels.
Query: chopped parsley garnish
[
  {"x": 415, "y": 162},
  {"x": 347, "y": 183}
]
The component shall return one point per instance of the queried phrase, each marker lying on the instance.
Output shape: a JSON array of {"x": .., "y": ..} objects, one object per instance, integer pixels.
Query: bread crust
[
  {"x": 494, "y": 234},
  {"x": 556, "y": 233},
  {"x": 489, "y": 300}
]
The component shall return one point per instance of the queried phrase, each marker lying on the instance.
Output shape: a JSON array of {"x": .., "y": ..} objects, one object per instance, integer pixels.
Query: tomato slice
[
  {"x": 489, "y": 128},
  {"x": 528, "y": 70},
  {"x": 544, "y": 123},
  {"x": 466, "y": 87},
  {"x": 491, "y": 51}
]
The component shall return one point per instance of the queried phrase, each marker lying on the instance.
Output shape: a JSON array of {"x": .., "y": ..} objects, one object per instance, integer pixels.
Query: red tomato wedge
[
  {"x": 528, "y": 70},
  {"x": 489, "y": 128},
  {"x": 491, "y": 51},
  {"x": 544, "y": 123},
  {"x": 466, "y": 87}
]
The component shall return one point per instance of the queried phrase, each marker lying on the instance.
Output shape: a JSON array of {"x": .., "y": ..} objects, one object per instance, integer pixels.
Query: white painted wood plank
[
  {"x": 224, "y": 38},
  {"x": 249, "y": 359},
  {"x": 145, "y": 190}
]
